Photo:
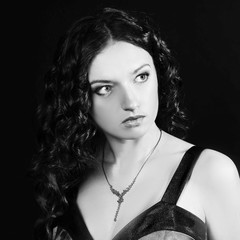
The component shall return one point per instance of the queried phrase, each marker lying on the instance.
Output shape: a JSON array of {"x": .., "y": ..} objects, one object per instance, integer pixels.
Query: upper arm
[{"x": 220, "y": 195}]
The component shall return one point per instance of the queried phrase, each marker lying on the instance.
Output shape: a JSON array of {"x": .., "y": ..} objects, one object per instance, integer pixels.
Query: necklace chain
[{"x": 126, "y": 190}]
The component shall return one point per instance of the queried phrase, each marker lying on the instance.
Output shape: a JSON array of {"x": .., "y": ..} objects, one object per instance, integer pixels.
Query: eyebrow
[
  {"x": 139, "y": 68},
  {"x": 108, "y": 81},
  {"x": 100, "y": 81}
]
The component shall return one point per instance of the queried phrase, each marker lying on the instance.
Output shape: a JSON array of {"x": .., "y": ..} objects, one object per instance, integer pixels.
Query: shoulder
[
  {"x": 215, "y": 185},
  {"x": 217, "y": 179},
  {"x": 212, "y": 167},
  {"x": 218, "y": 184},
  {"x": 216, "y": 168}
]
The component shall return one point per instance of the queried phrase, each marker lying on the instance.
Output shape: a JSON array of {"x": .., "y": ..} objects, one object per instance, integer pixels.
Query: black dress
[{"x": 163, "y": 221}]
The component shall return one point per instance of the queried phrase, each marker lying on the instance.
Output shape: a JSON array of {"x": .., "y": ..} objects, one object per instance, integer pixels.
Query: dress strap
[{"x": 181, "y": 175}]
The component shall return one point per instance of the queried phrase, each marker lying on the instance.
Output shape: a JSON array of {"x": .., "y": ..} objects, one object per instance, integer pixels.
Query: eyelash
[
  {"x": 143, "y": 74},
  {"x": 97, "y": 90}
]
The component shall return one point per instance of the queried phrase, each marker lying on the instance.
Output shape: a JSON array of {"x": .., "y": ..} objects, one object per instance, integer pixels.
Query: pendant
[{"x": 120, "y": 198}]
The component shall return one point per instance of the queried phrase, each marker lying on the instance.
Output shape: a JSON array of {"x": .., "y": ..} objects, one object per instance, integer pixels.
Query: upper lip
[{"x": 133, "y": 118}]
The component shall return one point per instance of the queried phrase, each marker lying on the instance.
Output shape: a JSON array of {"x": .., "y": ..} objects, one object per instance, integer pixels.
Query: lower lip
[{"x": 133, "y": 123}]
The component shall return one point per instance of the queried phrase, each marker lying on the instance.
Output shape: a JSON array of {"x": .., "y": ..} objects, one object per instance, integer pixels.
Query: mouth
[
  {"x": 133, "y": 121},
  {"x": 134, "y": 118}
]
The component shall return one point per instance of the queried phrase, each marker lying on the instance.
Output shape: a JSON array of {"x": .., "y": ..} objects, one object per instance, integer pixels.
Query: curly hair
[{"x": 68, "y": 137}]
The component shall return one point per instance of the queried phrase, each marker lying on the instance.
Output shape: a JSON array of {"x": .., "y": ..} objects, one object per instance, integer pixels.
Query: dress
[{"x": 162, "y": 221}]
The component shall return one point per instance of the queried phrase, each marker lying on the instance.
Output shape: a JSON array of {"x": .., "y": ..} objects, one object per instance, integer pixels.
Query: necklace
[{"x": 126, "y": 190}]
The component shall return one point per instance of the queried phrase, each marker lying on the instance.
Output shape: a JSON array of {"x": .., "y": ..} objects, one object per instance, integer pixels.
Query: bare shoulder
[
  {"x": 213, "y": 168},
  {"x": 217, "y": 180},
  {"x": 216, "y": 168},
  {"x": 215, "y": 189}
]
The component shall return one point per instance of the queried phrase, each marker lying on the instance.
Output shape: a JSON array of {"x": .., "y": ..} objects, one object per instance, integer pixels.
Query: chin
[{"x": 129, "y": 134}]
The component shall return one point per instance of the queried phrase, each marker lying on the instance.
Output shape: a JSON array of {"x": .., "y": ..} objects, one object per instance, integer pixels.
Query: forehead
[{"x": 118, "y": 58}]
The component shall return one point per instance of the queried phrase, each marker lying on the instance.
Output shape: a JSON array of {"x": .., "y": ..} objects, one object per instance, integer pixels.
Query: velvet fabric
[{"x": 162, "y": 221}]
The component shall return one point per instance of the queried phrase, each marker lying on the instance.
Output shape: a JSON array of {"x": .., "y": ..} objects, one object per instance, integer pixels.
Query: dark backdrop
[{"x": 204, "y": 37}]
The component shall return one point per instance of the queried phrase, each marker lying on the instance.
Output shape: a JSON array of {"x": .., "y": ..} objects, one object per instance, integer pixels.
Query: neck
[{"x": 121, "y": 153}]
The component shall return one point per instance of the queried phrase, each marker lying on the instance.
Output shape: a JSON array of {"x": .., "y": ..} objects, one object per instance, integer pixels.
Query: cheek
[
  {"x": 151, "y": 95},
  {"x": 154, "y": 103},
  {"x": 104, "y": 113}
]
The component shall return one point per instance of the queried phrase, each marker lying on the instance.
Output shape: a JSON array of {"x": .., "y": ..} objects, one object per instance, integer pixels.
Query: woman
[{"x": 112, "y": 162}]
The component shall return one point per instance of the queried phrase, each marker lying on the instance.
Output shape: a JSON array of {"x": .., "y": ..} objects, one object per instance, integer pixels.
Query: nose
[{"x": 129, "y": 100}]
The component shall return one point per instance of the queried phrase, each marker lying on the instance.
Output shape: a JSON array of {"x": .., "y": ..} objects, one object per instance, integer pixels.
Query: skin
[
  {"x": 124, "y": 83},
  {"x": 122, "y": 91}
]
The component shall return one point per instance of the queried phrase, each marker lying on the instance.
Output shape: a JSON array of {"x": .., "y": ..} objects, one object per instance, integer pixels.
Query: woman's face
[{"x": 125, "y": 90}]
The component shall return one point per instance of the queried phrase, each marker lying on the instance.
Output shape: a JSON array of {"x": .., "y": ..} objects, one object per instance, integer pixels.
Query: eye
[
  {"x": 103, "y": 90},
  {"x": 143, "y": 77}
]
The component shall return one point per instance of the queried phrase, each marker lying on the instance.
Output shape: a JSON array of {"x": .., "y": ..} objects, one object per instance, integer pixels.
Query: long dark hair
[{"x": 68, "y": 138}]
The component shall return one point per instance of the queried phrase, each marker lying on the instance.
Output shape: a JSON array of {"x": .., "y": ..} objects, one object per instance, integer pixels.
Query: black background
[{"x": 204, "y": 37}]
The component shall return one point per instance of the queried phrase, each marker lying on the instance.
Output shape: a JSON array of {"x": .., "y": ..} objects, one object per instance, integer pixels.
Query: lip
[{"x": 133, "y": 118}]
